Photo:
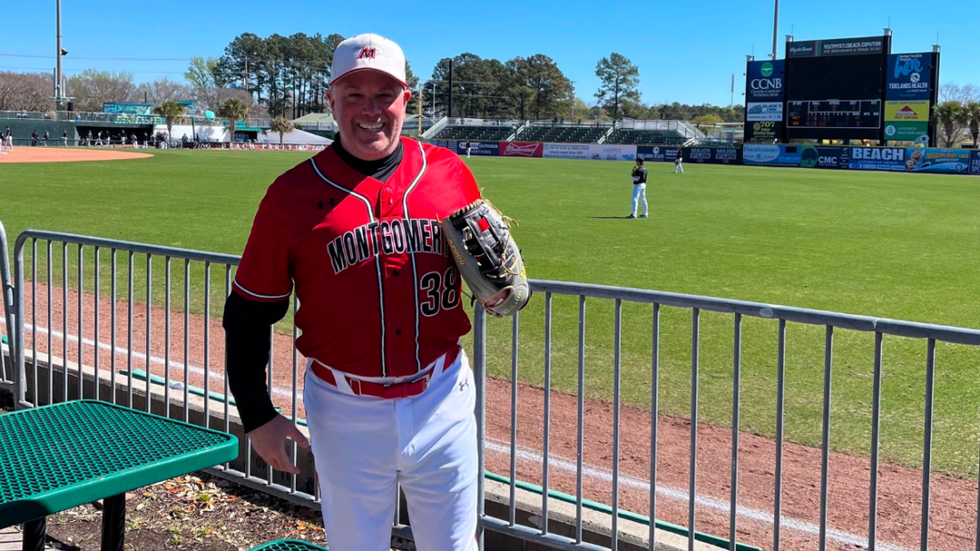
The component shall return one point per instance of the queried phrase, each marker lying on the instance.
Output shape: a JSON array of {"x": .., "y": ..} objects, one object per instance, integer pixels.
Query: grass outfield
[{"x": 889, "y": 245}]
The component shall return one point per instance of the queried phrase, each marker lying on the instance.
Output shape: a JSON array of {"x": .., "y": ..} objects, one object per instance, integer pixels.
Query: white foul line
[
  {"x": 682, "y": 495},
  {"x": 591, "y": 471}
]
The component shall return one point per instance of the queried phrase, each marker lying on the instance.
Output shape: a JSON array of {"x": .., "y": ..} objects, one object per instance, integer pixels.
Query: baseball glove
[{"x": 487, "y": 257}]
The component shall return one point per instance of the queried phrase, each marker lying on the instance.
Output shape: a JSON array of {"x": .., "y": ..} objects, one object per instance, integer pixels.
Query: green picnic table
[{"x": 65, "y": 455}]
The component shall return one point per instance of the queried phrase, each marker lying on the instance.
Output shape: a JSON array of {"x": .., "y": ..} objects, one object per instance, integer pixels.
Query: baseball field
[{"x": 889, "y": 245}]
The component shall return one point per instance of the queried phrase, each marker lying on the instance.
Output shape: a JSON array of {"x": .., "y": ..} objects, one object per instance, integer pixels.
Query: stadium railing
[
  {"x": 7, "y": 370},
  {"x": 124, "y": 118},
  {"x": 204, "y": 265},
  {"x": 22, "y": 143}
]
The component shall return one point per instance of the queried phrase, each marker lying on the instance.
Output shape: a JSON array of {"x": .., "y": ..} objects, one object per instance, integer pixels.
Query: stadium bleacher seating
[
  {"x": 475, "y": 133},
  {"x": 629, "y": 136},
  {"x": 563, "y": 134}
]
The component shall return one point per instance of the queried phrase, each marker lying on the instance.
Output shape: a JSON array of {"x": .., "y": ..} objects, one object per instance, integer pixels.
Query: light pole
[
  {"x": 58, "y": 92},
  {"x": 775, "y": 29}
]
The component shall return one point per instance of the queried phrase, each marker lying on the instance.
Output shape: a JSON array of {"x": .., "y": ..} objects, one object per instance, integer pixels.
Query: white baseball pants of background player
[
  {"x": 363, "y": 446},
  {"x": 640, "y": 196}
]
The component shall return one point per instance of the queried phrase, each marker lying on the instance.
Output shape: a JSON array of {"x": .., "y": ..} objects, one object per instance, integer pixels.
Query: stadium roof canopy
[{"x": 315, "y": 118}]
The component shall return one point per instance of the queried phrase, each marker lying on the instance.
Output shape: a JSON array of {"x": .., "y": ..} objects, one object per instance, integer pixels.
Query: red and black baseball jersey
[{"x": 379, "y": 294}]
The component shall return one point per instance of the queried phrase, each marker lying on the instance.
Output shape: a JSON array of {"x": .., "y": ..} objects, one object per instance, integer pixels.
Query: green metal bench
[
  {"x": 289, "y": 545},
  {"x": 65, "y": 455}
]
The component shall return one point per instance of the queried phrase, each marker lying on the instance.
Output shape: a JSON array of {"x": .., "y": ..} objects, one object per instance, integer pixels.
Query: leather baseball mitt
[{"x": 488, "y": 258}]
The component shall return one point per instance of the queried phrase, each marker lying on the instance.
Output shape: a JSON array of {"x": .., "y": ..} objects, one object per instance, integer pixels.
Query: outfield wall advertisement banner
[
  {"x": 483, "y": 149},
  {"x": 521, "y": 149},
  {"x": 603, "y": 152},
  {"x": 771, "y": 155},
  {"x": 909, "y": 77},
  {"x": 946, "y": 161},
  {"x": 818, "y": 156},
  {"x": 715, "y": 155},
  {"x": 975, "y": 162},
  {"x": 566, "y": 151},
  {"x": 656, "y": 153},
  {"x": 877, "y": 158}
]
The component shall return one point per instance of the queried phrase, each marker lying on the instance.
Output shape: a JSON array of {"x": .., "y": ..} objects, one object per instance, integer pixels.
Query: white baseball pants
[
  {"x": 364, "y": 446},
  {"x": 640, "y": 196}
]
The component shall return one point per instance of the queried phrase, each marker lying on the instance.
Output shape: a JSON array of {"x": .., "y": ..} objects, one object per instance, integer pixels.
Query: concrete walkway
[{"x": 11, "y": 540}]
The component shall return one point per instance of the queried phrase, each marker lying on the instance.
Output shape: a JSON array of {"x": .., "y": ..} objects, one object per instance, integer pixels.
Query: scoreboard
[
  {"x": 842, "y": 89},
  {"x": 834, "y": 89},
  {"x": 836, "y": 114}
]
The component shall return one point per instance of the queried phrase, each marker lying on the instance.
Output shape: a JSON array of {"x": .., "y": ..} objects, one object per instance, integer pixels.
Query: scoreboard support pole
[
  {"x": 934, "y": 96},
  {"x": 886, "y": 51}
]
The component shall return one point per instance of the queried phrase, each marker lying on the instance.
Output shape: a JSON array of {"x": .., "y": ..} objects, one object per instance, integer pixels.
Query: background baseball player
[
  {"x": 679, "y": 162},
  {"x": 639, "y": 176},
  {"x": 389, "y": 393}
]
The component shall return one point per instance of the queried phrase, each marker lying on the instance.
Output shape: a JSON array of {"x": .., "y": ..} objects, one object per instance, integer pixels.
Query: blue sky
[{"x": 686, "y": 51}]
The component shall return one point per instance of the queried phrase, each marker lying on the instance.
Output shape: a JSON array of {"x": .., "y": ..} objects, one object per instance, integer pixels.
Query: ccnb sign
[{"x": 765, "y": 81}]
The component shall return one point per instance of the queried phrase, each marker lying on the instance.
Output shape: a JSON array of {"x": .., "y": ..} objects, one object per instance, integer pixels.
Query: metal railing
[
  {"x": 7, "y": 372},
  {"x": 153, "y": 143},
  {"x": 200, "y": 264},
  {"x": 465, "y": 121},
  {"x": 576, "y": 123},
  {"x": 28, "y": 115},
  {"x": 80, "y": 117},
  {"x": 436, "y": 127},
  {"x": 831, "y": 321},
  {"x": 64, "y": 254},
  {"x": 318, "y": 126}
]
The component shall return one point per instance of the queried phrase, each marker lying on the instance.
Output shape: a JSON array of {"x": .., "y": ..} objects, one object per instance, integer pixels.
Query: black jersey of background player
[{"x": 640, "y": 171}]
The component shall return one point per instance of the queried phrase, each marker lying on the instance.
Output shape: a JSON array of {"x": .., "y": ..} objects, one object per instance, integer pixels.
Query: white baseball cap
[{"x": 368, "y": 52}]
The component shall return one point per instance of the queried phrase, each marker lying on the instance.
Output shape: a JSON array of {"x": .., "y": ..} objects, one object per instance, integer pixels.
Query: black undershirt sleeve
[{"x": 248, "y": 333}]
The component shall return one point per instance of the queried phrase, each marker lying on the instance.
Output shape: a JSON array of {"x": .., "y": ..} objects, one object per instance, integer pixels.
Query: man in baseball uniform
[
  {"x": 679, "y": 162},
  {"x": 639, "y": 176},
  {"x": 389, "y": 394}
]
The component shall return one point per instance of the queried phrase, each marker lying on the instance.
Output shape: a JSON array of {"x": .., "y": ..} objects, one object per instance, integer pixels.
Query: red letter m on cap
[{"x": 367, "y": 53}]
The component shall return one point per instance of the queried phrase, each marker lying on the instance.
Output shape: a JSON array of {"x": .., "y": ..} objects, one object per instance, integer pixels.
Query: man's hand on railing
[{"x": 269, "y": 441}]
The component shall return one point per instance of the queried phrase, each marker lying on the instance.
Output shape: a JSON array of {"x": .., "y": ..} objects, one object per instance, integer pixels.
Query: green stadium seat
[
  {"x": 475, "y": 133},
  {"x": 289, "y": 545},
  {"x": 629, "y": 136}
]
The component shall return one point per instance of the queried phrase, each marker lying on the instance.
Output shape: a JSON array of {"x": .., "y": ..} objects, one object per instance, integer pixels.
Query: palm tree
[
  {"x": 282, "y": 125},
  {"x": 948, "y": 115},
  {"x": 172, "y": 112},
  {"x": 234, "y": 110},
  {"x": 972, "y": 115}
]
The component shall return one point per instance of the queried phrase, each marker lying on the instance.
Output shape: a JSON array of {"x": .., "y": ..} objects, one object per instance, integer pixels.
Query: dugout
[{"x": 115, "y": 131}]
